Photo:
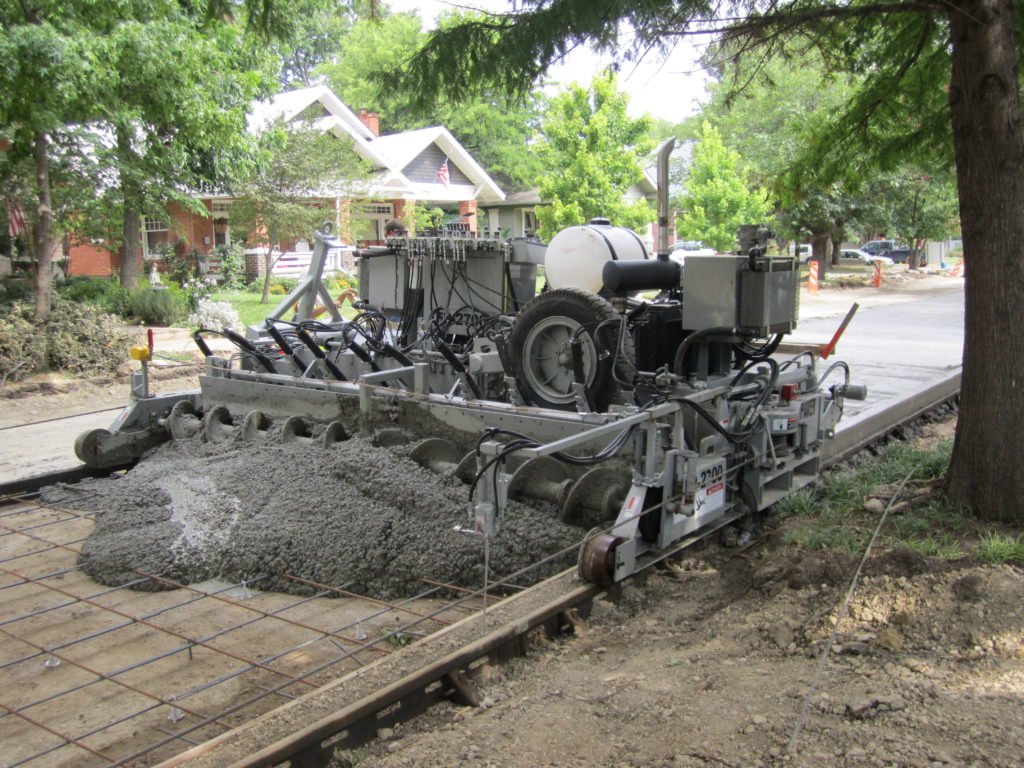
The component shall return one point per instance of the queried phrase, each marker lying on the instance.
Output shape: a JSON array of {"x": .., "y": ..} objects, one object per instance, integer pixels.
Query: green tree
[
  {"x": 910, "y": 204},
  {"x": 718, "y": 198},
  {"x": 281, "y": 198},
  {"x": 784, "y": 103},
  {"x": 591, "y": 152},
  {"x": 175, "y": 97},
  {"x": 156, "y": 87},
  {"x": 911, "y": 56},
  {"x": 45, "y": 73},
  {"x": 314, "y": 36}
]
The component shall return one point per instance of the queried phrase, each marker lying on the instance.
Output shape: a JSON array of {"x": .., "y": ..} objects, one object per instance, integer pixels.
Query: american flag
[
  {"x": 442, "y": 173},
  {"x": 15, "y": 218}
]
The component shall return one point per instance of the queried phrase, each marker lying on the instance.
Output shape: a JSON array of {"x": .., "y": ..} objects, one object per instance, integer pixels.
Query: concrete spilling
[{"x": 356, "y": 515}]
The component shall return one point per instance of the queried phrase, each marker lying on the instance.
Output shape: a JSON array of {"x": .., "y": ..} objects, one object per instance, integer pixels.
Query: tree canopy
[
  {"x": 150, "y": 95},
  {"x": 591, "y": 152},
  {"x": 718, "y": 199},
  {"x": 495, "y": 129},
  {"x": 279, "y": 197}
]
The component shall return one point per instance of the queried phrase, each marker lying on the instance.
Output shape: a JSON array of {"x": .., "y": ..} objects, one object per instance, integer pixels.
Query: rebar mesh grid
[{"x": 110, "y": 676}]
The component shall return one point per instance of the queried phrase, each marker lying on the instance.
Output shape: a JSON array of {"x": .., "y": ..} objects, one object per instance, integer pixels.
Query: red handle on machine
[{"x": 829, "y": 348}]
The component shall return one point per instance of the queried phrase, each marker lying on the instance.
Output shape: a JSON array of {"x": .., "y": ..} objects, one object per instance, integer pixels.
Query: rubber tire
[{"x": 538, "y": 323}]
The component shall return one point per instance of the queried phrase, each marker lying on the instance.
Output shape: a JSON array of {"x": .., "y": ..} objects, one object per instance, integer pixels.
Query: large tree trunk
[
  {"x": 986, "y": 471},
  {"x": 132, "y": 227},
  {"x": 44, "y": 231}
]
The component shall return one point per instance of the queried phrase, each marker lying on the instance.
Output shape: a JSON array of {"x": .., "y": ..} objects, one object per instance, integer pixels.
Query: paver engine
[{"x": 632, "y": 395}]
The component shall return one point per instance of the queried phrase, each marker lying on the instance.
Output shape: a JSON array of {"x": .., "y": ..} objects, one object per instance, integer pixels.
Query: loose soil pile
[{"x": 356, "y": 515}]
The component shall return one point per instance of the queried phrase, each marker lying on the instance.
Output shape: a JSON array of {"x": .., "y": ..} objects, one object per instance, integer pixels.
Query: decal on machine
[{"x": 710, "y": 494}]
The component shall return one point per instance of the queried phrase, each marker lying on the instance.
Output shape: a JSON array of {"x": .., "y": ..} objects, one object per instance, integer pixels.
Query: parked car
[
  {"x": 679, "y": 251},
  {"x": 898, "y": 253},
  {"x": 857, "y": 256}
]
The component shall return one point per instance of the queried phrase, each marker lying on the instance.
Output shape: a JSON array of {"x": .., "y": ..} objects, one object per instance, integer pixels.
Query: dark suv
[{"x": 898, "y": 253}]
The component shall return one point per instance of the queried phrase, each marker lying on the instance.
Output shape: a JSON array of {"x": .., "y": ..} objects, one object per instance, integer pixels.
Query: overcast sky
[{"x": 669, "y": 89}]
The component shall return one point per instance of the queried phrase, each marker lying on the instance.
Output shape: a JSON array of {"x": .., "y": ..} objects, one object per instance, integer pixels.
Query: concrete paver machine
[{"x": 632, "y": 395}]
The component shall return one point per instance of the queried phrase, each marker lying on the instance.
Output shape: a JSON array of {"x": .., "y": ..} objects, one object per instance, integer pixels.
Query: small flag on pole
[
  {"x": 442, "y": 174},
  {"x": 15, "y": 218}
]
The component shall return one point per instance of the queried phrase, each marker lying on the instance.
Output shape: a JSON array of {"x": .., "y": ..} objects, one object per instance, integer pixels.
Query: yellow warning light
[{"x": 141, "y": 352}]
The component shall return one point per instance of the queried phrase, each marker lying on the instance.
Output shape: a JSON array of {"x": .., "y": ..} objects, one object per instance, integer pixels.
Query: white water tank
[{"x": 576, "y": 255}]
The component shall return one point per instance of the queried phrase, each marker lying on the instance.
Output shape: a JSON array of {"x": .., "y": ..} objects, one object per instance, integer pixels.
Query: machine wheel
[
  {"x": 595, "y": 563},
  {"x": 542, "y": 352},
  {"x": 87, "y": 447}
]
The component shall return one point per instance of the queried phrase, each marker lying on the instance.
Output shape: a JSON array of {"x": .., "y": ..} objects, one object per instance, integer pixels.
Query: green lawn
[{"x": 251, "y": 311}]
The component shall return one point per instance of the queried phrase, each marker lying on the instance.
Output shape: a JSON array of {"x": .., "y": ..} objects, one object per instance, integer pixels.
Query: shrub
[
  {"x": 232, "y": 265},
  {"x": 21, "y": 350},
  {"x": 107, "y": 294},
  {"x": 288, "y": 284},
  {"x": 279, "y": 285},
  {"x": 179, "y": 267},
  {"x": 340, "y": 281},
  {"x": 195, "y": 290},
  {"x": 76, "y": 338},
  {"x": 215, "y": 315},
  {"x": 16, "y": 288},
  {"x": 160, "y": 307}
]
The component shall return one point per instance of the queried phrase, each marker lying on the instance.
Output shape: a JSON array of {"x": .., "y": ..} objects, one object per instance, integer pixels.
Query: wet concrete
[{"x": 355, "y": 514}]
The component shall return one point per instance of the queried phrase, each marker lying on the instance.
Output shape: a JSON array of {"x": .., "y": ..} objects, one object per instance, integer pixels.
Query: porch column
[{"x": 469, "y": 206}]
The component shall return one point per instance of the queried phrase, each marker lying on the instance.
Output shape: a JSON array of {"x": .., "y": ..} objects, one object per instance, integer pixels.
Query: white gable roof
[{"x": 391, "y": 153}]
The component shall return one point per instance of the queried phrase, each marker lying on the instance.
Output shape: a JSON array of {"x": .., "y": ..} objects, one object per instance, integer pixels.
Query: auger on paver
[
  {"x": 442, "y": 457},
  {"x": 629, "y": 393}
]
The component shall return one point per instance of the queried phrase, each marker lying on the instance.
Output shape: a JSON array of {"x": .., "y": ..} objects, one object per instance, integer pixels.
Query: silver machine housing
[{"x": 653, "y": 413}]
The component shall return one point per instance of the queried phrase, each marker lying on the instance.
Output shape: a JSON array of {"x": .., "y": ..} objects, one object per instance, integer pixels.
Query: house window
[
  {"x": 370, "y": 210},
  {"x": 368, "y": 220},
  {"x": 220, "y": 208},
  {"x": 155, "y": 224},
  {"x": 155, "y": 233},
  {"x": 529, "y": 223}
]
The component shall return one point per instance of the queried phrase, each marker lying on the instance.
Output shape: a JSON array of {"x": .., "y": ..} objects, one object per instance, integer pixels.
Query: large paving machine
[{"x": 631, "y": 395}]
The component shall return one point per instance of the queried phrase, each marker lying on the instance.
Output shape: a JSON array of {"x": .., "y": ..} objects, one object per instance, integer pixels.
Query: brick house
[{"x": 409, "y": 169}]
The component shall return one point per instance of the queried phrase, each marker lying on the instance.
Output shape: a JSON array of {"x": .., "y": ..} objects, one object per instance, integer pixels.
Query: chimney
[{"x": 371, "y": 120}]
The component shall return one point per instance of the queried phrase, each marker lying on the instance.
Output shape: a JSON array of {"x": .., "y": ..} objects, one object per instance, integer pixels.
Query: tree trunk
[
  {"x": 819, "y": 252},
  {"x": 132, "y": 227},
  {"x": 268, "y": 264},
  {"x": 985, "y": 470},
  {"x": 44, "y": 231}
]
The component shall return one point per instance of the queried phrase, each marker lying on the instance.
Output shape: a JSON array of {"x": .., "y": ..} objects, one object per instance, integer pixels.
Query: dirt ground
[
  {"x": 712, "y": 660},
  {"x": 709, "y": 664}
]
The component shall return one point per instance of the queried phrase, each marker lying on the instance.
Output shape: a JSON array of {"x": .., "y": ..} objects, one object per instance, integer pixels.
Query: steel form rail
[{"x": 313, "y": 744}]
